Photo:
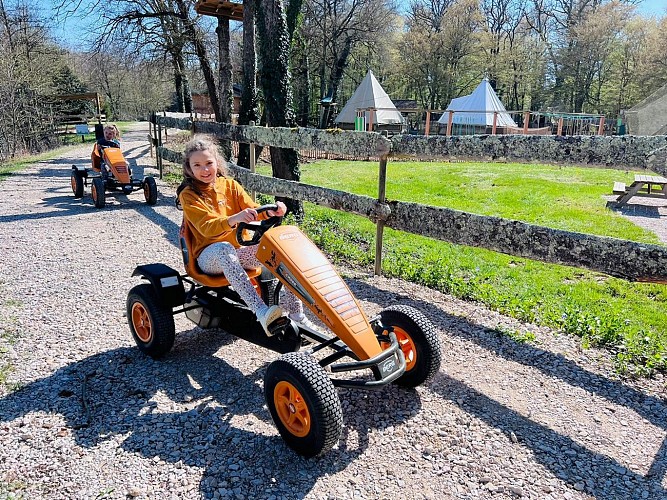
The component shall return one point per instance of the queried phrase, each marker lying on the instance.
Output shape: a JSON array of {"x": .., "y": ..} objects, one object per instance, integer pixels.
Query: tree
[
  {"x": 334, "y": 28},
  {"x": 275, "y": 83}
]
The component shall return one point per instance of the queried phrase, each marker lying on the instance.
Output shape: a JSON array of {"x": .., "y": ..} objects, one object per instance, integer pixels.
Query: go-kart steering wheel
[{"x": 257, "y": 228}]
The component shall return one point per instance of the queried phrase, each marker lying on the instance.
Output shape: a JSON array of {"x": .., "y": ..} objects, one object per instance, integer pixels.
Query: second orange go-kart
[
  {"x": 109, "y": 172},
  {"x": 399, "y": 345}
]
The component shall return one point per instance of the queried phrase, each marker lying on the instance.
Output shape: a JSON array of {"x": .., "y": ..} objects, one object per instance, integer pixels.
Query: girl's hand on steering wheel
[
  {"x": 282, "y": 209},
  {"x": 245, "y": 215}
]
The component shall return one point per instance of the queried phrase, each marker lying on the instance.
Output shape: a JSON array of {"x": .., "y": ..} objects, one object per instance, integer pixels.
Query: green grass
[{"x": 627, "y": 318}]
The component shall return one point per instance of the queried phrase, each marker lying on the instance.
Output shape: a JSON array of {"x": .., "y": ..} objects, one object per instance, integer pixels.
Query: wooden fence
[{"x": 620, "y": 258}]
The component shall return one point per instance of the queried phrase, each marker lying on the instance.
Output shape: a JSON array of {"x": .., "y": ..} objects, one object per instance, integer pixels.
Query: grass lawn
[{"x": 627, "y": 318}]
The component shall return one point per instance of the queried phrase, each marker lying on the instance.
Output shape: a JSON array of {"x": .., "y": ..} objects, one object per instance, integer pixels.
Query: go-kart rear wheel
[
  {"x": 151, "y": 322},
  {"x": 76, "y": 180},
  {"x": 418, "y": 340},
  {"x": 303, "y": 403},
  {"x": 150, "y": 190},
  {"x": 98, "y": 192}
]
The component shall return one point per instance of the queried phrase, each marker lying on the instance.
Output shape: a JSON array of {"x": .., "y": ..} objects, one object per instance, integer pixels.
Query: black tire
[
  {"x": 150, "y": 190},
  {"x": 303, "y": 403},
  {"x": 151, "y": 322},
  {"x": 77, "y": 184},
  {"x": 98, "y": 192},
  {"x": 419, "y": 341}
]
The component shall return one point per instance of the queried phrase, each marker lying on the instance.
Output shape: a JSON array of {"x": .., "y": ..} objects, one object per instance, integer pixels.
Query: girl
[
  {"x": 213, "y": 204},
  {"x": 111, "y": 135}
]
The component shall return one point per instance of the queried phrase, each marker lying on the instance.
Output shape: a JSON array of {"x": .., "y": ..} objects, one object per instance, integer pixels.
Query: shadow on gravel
[
  {"x": 122, "y": 395},
  {"x": 547, "y": 445}
]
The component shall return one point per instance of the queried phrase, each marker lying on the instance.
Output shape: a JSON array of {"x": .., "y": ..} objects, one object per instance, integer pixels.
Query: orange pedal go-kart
[
  {"x": 399, "y": 345},
  {"x": 109, "y": 172}
]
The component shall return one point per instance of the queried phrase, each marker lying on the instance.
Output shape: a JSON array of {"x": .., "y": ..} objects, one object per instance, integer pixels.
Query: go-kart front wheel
[
  {"x": 418, "y": 340},
  {"x": 77, "y": 184},
  {"x": 303, "y": 403},
  {"x": 98, "y": 191},
  {"x": 150, "y": 190},
  {"x": 151, "y": 322}
]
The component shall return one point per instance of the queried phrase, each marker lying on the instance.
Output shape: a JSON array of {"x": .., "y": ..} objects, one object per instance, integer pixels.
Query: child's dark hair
[{"x": 199, "y": 143}]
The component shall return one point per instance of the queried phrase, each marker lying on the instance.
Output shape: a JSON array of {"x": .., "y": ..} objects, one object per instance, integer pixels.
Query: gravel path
[{"x": 84, "y": 415}]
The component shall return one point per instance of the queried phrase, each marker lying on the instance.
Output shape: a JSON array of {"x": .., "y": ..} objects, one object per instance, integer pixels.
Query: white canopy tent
[
  {"x": 370, "y": 94},
  {"x": 478, "y": 108}
]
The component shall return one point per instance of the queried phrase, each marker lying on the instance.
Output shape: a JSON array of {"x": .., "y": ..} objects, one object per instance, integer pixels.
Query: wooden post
[
  {"x": 428, "y": 122},
  {"x": 526, "y": 119},
  {"x": 159, "y": 143},
  {"x": 370, "y": 119},
  {"x": 495, "y": 122},
  {"x": 601, "y": 126},
  {"x": 382, "y": 184},
  {"x": 150, "y": 135},
  {"x": 560, "y": 126},
  {"x": 449, "y": 123},
  {"x": 251, "y": 148}
]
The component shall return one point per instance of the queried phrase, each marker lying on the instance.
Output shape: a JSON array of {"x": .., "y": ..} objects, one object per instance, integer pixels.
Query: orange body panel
[
  {"x": 114, "y": 158},
  {"x": 116, "y": 161},
  {"x": 305, "y": 270}
]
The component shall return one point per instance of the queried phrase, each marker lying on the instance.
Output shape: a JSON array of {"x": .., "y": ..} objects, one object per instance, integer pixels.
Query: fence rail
[{"x": 620, "y": 258}]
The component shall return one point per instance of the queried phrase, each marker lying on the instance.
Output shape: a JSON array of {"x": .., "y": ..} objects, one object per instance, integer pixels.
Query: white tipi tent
[
  {"x": 485, "y": 101},
  {"x": 370, "y": 94}
]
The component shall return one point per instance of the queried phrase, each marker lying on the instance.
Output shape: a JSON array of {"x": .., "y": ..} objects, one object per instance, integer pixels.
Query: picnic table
[{"x": 650, "y": 186}]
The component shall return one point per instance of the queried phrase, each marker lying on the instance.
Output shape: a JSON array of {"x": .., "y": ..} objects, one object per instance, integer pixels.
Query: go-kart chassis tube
[{"x": 375, "y": 361}]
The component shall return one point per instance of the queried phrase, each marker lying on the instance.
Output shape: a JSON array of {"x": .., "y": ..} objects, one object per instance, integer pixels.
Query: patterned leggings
[{"x": 223, "y": 258}]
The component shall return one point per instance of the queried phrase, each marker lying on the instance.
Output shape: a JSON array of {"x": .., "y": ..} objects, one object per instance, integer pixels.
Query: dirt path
[{"x": 85, "y": 415}]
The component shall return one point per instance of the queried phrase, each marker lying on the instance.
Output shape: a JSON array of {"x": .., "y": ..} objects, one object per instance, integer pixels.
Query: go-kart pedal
[{"x": 273, "y": 320}]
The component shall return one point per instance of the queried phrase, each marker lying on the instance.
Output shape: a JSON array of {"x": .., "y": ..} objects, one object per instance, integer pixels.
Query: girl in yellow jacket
[{"x": 213, "y": 204}]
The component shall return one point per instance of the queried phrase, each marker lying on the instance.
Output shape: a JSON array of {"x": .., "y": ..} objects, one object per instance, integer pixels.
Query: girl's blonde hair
[
  {"x": 200, "y": 143},
  {"x": 114, "y": 128}
]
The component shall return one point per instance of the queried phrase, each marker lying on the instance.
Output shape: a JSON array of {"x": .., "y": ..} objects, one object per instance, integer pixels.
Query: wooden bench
[
  {"x": 650, "y": 186},
  {"x": 619, "y": 188}
]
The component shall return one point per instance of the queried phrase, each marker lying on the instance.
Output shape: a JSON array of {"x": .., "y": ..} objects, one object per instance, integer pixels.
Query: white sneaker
[{"x": 270, "y": 315}]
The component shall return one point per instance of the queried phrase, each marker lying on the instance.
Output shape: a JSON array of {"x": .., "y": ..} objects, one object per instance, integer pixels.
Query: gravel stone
[{"x": 83, "y": 414}]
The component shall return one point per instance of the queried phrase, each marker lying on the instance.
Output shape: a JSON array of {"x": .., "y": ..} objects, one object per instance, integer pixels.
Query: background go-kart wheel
[
  {"x": 150, "y": 190},
  {"x": 303, "y": 403},
  {"x": 151, "y": 323},
  {"x": 98, "y": 192},
  {"x": 418, "y": 340},
  {"x": 77, "y": 184}
]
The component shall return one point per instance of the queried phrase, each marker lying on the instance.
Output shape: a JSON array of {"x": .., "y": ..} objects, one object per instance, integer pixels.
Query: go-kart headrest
[{"x": 99, "y": 131}]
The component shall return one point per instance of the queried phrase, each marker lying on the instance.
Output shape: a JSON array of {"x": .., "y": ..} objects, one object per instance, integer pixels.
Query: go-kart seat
[{"x": 193, "y": 270}]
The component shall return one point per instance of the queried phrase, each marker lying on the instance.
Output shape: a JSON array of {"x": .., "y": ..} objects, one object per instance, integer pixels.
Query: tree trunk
[
  {"x": 225, "y": 79},
  {"x": 339, "y": 67},
  {"x": 248, "y": 109},
  {"x": 200, "y": 49},
  {"x": 275, "y": 81}
]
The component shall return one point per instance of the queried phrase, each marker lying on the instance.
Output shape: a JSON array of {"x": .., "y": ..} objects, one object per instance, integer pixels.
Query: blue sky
[
  {"x": 653, "y": 7},
  {"x": 73, "y": 34}
]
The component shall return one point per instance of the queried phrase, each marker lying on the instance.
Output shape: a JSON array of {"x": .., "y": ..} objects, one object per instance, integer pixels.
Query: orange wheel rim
[
  {"x": 406, "y": 345},
  {"x": 146, "y": 191},
  {"x": 93, "y": 191},
  {"x": 292, "y": 409},
  {"x": 73, "y": 181},
  {"x": 141, "y": 321}
]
